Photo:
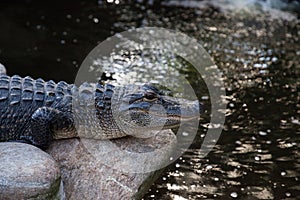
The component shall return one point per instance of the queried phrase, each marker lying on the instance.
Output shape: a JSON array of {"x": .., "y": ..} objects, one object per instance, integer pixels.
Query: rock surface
[
  {"x": 115, "y": 169},
  {"x": 27, "y": 172},
  {"x": 90, "y": 169},
  {"x": 2, "y": 69}
]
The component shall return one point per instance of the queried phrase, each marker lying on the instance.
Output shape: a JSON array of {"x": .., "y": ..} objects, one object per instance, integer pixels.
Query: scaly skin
[{"x": 36, "y": 112}]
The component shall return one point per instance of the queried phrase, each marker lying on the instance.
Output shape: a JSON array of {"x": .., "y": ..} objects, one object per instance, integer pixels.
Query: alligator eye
[{"x": 150, "y": 96}]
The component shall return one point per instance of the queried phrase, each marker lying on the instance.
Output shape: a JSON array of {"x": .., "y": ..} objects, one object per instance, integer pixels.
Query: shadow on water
[{"x": 257, "y": 155}]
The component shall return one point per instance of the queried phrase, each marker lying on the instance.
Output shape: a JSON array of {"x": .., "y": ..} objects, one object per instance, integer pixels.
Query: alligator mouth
[
  {"x": 171, "y": 116},
  {"x": 178, "y": 117},
  {"x": 167, "y": 120}
]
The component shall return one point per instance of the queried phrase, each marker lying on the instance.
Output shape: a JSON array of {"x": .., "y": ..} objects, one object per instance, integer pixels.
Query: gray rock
[
  {"x": 91, "y": 169},
  {"x": 2, "y": 69},
  {"x": 113, "y": 169},
  {"x": 27, "y": 172}
]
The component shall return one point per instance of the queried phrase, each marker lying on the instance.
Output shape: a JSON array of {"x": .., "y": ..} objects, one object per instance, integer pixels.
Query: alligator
[{"x": 35, "y": 111}]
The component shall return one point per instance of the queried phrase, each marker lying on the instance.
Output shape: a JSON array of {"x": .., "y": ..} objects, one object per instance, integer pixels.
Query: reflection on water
[{"x": 257, "y": 155}]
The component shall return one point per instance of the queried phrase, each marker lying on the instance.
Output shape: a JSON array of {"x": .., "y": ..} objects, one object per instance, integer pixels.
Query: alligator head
[{"x": 141, "y": 109}]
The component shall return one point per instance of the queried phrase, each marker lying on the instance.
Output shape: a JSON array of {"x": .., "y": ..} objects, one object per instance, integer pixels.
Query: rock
[
  {"x": 2, "y": 69},
  {"x": 111, "y": 169},
  {"x": 27, "y": 172},
  {"x": 91, "y": 169}
]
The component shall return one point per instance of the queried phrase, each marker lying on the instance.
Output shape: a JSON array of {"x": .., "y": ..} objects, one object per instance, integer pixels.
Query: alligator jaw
[{"x": 167, "y": 112}]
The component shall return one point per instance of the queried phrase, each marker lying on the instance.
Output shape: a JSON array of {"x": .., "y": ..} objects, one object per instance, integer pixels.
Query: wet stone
[
  {"x": 104, "y": 169},
  {"x": 27, "y": 172},
  {"x": 2, "y": 69}
]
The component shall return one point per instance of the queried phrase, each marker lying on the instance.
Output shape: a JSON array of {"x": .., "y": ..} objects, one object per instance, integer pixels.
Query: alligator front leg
[{"x": 43, "y": 124}]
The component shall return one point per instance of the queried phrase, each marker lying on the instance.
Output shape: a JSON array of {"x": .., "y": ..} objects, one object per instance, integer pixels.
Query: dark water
[{"x": 258, "y": 50}]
